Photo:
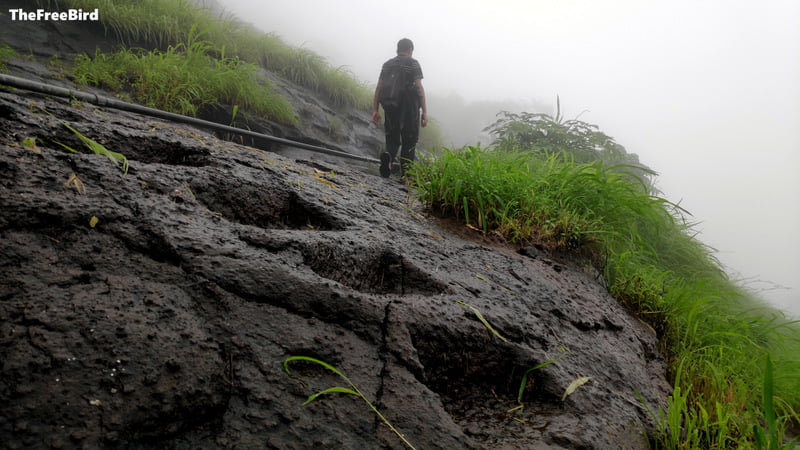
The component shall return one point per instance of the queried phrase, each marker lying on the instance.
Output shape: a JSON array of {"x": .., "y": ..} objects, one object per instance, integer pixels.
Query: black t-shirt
[{"x": 408, "y": 70}]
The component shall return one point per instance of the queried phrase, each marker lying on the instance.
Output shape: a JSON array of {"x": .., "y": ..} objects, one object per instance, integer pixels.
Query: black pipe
[{"x": 100, "y": 100}]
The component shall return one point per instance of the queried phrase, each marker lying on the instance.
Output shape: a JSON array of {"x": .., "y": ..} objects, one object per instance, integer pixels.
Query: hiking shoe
[
  {"x": 386, "y": 164},
  {"x": 397, "y": 169}
]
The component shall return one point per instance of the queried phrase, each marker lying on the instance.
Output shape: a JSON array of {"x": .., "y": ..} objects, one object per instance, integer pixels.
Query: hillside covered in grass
[
  {"x": 565, "y": 185},
  {"x": 159, "y": 25}
]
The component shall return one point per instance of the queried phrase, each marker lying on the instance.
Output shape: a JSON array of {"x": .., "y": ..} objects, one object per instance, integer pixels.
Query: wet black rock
[{"x": 155, "y": 309}]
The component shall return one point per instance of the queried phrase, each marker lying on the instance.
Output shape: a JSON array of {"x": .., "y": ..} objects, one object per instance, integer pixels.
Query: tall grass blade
[
  {"x": 483, "y": 320},
  {"x": 118, "y": 159},
  {"x": 524, "y": 382},
  {"x": 353, "y": 390}
]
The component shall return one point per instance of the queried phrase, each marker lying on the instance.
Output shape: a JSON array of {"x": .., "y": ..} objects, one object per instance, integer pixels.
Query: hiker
[{"x": 401, "y": 94}]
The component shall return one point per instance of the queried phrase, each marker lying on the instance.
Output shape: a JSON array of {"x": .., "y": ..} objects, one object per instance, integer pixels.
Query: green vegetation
[
  {"x": 6, "y": 53},
  {"x": 185, "y": 78},
  {"x": 577, "y": 140},
  {"x": 483, "y": 320},
  {"x": 524, "y": 381},
  {"x": 563, "y": 185},
  {"x": 118, "y": 159},
  {"x": 352, "y": 390},
  {"x": 161, "y": 24}
]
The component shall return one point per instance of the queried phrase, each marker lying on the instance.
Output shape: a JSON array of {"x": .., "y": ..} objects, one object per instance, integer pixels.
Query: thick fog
[{"x": 707, "y": 93}]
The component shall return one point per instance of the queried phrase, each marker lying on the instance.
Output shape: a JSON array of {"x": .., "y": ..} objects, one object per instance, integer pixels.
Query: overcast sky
[{"x": 706, "y": 92}]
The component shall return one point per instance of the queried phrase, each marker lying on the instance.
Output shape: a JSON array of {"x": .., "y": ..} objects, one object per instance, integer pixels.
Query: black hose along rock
[{"x": 49, "y": 89}]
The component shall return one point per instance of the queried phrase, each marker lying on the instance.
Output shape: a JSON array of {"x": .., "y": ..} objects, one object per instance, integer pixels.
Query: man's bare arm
[{"x": 422, "y": 102}]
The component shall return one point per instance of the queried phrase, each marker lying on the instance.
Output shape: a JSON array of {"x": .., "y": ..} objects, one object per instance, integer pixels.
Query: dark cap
[{"x": 404, "y": 45}]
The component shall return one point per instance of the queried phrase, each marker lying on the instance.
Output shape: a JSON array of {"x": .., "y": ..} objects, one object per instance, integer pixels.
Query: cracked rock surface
[{"x": 155, "y": 309}]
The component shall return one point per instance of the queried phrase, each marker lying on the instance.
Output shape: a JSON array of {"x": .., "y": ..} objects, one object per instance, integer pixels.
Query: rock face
[
  {"x": 164, "y": 322},
  {"x": 156, "y": 309}
]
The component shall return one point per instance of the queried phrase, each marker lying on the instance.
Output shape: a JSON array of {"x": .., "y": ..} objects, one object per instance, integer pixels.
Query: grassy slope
[
  {"x": 716, "y": 335},
  {"x": 184, "y": 79},
  {"x": 163, "y": 23},
  {"x": 201, "y": 58}
]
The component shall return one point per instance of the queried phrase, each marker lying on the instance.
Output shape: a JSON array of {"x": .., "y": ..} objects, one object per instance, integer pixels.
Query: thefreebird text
[{"x": 74, "y": 15}]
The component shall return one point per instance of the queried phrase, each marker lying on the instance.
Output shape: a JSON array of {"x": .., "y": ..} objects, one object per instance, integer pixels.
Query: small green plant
[
  {"x": 352, "y": 390},
  {"x": 234, "y": 113},
  {"x": 6, "y": 53},
  {"x": 769, "y": 439},
  {"x": 677, "y": 427},
  {"x": 30, "y": 144},
  {"x": 523, "y": 384},
  {"x": 118, "y": 159},
  {"x": 483, "y": 320},
  {"x": 772, "y": 438}
]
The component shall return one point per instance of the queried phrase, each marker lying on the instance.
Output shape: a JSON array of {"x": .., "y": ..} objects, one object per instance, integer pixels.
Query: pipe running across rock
[{"x": 23, "y": 83}]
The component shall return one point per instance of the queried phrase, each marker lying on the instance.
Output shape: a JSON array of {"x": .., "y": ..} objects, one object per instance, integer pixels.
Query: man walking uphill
[{"x": 401, "y": 94}]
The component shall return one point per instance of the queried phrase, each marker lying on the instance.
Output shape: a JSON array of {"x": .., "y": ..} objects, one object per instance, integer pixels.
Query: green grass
[
  {"x": 352, "y": 390},
  {"x": 715, "y": 334},
  {"x": 160, "y": 24},
  {"x": 573, "y": 139},
  {"x": 524, "y": 381},
  {"x": 6, "y": 53},
  {"x": 184, "y": 79},
  {"x": 118, "y": 159},
  {"x": 483, "y": 320}
]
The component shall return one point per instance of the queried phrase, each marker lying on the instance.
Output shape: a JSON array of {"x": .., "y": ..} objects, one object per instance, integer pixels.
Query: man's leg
[
  {"x": 392, "y": 127},
  {"x": 409, "y": 136}
]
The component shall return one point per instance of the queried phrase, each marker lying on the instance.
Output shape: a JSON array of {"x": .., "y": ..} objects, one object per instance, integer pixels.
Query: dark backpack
[{"x": 396, "y": 85}]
